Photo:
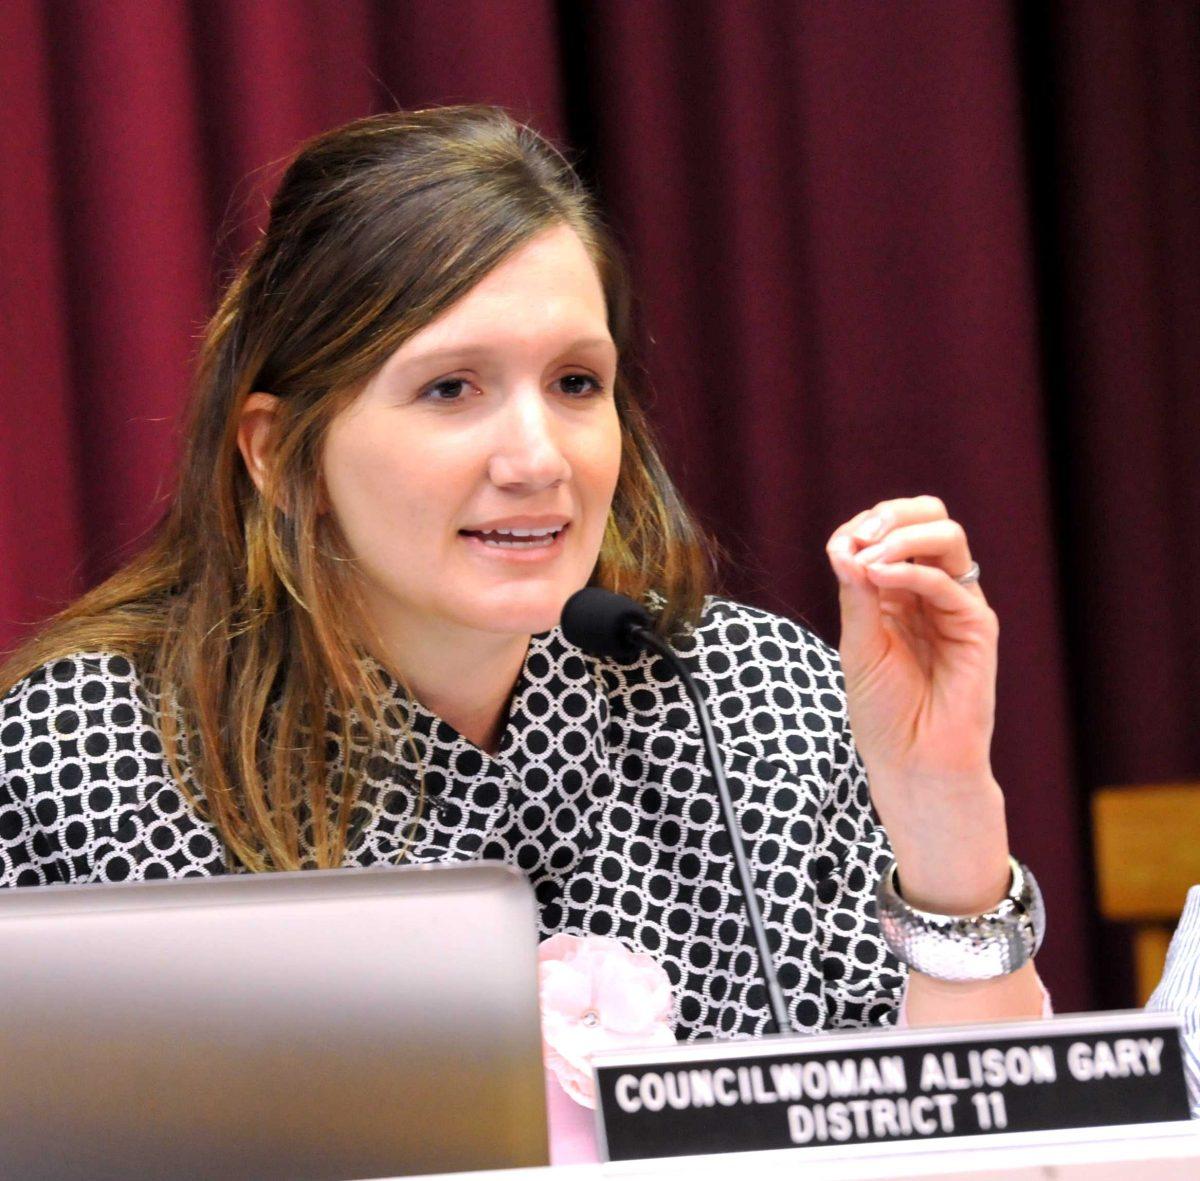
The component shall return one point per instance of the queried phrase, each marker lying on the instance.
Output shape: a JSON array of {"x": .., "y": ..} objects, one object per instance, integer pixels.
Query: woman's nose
[{"x": 527, "y": 452}]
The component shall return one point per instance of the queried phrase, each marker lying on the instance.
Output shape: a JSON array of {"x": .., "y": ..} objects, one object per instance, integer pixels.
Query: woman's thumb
[{"x": 862, "y": 622}]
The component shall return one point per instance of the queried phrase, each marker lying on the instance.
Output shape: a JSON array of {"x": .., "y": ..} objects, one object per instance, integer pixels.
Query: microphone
[{"x": 614, "y": 627}]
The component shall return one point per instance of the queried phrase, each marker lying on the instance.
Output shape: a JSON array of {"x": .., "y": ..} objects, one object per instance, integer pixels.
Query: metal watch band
[{"x": 965, "y": 947}]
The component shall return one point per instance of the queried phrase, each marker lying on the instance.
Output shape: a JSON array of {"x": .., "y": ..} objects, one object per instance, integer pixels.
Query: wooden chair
[{"x": 1147, "y": 845}]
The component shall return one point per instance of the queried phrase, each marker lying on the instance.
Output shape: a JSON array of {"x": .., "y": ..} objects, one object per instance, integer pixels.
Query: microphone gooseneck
[{"x": 615, "y": 627}]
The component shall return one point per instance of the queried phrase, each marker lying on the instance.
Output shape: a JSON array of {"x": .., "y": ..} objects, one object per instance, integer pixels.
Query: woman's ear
[{"x": 256, "y": 434}]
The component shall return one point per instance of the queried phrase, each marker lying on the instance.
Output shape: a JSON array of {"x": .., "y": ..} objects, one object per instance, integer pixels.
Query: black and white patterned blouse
[{"x": 598, "y": 792}]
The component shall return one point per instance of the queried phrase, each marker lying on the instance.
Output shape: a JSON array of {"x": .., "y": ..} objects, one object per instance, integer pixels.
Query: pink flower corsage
[{"x": 596, "y": 994}]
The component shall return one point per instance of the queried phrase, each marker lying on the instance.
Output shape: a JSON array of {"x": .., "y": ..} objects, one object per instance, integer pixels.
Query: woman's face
[{"x": 473, "y": 475}]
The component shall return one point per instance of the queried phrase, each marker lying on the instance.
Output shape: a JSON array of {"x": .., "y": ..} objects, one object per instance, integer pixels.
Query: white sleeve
[{"x": 1179, "y": 990}]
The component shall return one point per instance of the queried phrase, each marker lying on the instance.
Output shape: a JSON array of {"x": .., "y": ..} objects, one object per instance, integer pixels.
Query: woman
[{"x": 411, "y": 442}]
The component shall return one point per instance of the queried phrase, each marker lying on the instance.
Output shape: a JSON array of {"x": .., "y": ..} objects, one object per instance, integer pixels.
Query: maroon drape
[
  {"x": 945, "y": 248},
  {"x": 1124, "y": 304}
]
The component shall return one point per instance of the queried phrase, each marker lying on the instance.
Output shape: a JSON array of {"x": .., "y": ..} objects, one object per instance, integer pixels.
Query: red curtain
[{"x": 881, "y": 250}]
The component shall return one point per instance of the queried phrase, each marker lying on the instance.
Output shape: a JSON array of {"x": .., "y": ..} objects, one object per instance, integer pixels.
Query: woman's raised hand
[{"x": 918, "y": 653}]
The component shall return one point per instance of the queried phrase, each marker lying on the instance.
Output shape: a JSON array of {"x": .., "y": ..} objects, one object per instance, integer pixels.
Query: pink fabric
[
  {"x": 572, "y": 1127},
  {"x": 597, "y": 994}
]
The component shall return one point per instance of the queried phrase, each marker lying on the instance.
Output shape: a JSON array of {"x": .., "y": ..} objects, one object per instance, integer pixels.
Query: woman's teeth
[{"x": 518, "y": 538}]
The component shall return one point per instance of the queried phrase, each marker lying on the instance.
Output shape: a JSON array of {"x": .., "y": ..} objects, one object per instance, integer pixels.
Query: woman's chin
[{"x": 530, "y": 617}]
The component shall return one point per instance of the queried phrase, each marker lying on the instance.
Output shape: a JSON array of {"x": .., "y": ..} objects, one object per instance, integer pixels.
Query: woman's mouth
[{"x": 515, "y": 539}]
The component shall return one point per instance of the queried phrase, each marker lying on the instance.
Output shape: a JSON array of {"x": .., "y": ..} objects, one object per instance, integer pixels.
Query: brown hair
[{"x": 241, "y": 612}]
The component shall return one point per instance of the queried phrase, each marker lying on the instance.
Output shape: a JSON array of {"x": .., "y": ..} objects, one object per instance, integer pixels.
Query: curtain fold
[
  {"x": 1125, "y": 317},
  {"x": 136, "y": 243},
  {"x": 41, "y": 528}
]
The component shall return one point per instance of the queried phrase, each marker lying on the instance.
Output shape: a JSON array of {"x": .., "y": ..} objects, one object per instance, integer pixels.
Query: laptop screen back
[{"x": 338, "y": 1024}]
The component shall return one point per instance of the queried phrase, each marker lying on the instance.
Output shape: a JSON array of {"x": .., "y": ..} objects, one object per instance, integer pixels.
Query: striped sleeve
[{"x": 1179, "y": 990}]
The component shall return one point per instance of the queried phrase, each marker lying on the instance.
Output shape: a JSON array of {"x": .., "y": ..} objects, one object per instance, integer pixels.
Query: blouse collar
[
  {"x": 552, "y": 750},
  {"x": 557, "y": 684}
]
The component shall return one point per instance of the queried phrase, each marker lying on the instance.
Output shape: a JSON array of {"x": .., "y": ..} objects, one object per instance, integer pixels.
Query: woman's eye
[
  {"x": 580, "y": 385},
  {"x": 458, "y": 389},
  {"x": 450, "y": 389}
]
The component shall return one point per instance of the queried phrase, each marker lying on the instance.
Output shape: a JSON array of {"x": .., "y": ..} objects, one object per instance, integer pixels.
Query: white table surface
[{"x": 1161, "y": 1152}]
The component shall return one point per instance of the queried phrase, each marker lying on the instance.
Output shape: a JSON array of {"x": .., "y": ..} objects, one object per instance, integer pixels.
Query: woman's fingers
[
  {"x": 872, "y": 524},
  {"x": 847, "y": 529},
  {"x": 887, "y": 515},
  {"x": 939, "y": 543},
  {"x": 904, "y": 545},
  {"x": 911, "y": 529},
  {"x": 932, "y": 584}
]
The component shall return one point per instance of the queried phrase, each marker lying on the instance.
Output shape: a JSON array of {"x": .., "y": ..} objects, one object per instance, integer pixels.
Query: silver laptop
[{"x": 339, "y": 1024}]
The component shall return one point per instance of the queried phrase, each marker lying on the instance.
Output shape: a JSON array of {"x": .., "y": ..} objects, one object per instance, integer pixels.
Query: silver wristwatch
[{"x": 965, "y": 947}]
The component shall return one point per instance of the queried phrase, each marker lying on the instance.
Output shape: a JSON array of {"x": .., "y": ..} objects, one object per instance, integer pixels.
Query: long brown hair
[{"x": 242, "y": 612}]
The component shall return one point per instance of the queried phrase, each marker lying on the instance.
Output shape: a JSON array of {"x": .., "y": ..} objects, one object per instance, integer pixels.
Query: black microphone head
[{"x": 602, "y": 624}]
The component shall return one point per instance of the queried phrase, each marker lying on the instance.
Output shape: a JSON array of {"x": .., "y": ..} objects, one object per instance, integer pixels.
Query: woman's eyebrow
[{"x": 477, "y": 350}]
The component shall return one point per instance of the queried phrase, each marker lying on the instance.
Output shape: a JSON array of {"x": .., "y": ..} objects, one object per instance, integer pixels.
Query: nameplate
[{"x": 891, "y": 1086}]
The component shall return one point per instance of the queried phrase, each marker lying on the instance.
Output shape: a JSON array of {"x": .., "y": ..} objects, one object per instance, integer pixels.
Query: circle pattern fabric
[{"x": 599, "y": 792}]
